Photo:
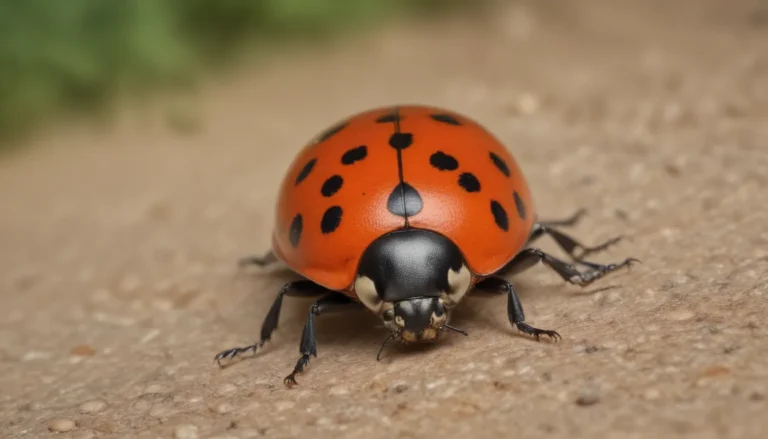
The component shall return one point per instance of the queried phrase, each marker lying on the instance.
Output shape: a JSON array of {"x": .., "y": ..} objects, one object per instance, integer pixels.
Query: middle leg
[{"x": 515, "y": 307}]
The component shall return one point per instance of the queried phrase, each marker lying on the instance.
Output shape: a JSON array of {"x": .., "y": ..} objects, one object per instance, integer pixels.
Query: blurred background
[
  {"x": 142, "y": 144},
  {"x": 62, "y": 61},
  {"x": 59, "y": 58}
]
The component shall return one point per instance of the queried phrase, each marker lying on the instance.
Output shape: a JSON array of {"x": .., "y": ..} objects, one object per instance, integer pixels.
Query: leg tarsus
[
  {"x": 290, "y": 380},
  {"x": 297, "y": 288},
  {"x": 529, "y": 257},
  {"x": 308, "y": 344},
  {"x": 515, "y": 311}
]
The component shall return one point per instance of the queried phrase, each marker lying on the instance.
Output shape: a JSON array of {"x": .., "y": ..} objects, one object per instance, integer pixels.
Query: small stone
[
  {"x": 588, "y": 396},
  {"x": 681, "y": 315},
  {"x": 528, "y": 104},
  {"x": 401, "y": 387},
  {"x": 93, "y": 406},
  {"x": 378, "y": 385},
  {"x": 715, "y": 371},
  {"x": 756, "y": 396},
  {"x": 185, "y": 431},
  {"x": 61, "y": 425},
  {"x": 83, "y": 351}
]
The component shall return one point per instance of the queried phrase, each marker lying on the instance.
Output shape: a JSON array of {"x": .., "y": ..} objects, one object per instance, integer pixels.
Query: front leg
[
  {"x": 308, "y": 345},
  {"x": 301, "y": 288},
  {"x": 515, "y": 311}
]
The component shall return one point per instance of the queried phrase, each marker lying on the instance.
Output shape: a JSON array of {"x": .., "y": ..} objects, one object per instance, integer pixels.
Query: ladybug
[{"x": 404, "y": 211}]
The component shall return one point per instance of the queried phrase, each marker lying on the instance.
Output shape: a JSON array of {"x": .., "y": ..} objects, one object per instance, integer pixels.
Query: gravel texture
[{"x": 119, "y": 280}]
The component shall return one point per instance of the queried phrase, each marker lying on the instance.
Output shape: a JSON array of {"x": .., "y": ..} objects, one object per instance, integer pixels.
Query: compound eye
[{"x": 388, "y": 315}]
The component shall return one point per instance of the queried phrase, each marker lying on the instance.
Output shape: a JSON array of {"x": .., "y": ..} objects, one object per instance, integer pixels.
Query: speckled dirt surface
[{"x": 118, "y": 272}]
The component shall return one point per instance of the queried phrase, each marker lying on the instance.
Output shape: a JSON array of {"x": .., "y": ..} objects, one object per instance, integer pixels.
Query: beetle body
[{"x": 405, "y": 210}]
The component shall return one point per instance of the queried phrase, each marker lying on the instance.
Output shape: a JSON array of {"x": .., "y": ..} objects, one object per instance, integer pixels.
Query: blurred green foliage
[{"x": 57, "y": 56}]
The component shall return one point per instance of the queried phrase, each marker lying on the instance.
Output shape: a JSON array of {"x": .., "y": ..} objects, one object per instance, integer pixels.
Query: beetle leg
[
  {"x": 515, "y": 308},
  {"x": 297, "y": 289},
  {"x": 308, "y": 345},
  {"x": 568, "y": 244},
  {"x": 269, "y": 258},
  {"x": 565, "y": 222},
  {"x": 530, "y": 256}
]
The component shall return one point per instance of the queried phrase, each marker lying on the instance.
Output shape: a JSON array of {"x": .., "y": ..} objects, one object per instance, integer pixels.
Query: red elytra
[{"x": 460, "y": 180}]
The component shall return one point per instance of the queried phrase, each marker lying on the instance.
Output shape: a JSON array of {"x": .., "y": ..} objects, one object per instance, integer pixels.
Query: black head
[{"x": 412, "y": 278}]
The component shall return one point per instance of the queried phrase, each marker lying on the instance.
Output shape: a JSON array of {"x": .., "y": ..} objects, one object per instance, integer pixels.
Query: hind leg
[
  {"x": 565, "y": 222},
  {"x": 268, "y": 258},
  {"x": 568, "y": 244},
  {"x": 531, "y": 256}
]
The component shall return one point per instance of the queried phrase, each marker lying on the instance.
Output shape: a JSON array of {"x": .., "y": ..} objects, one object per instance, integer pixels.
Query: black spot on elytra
[
  {"x": 332, "y": 185},
  {"x": 445, "y": 118},
  {"x": 401, "y": 140},
  {"x": 469, "y": 182},
  {"x": 331, "y": 219},
  {"x": 304, "y": 173},
  {"x": 499, "y": 215},
  {"x": 443, "y": 161},
  {"x": 294, "y": 233},
  {"x": 388, "y": 118},
  {"x": 405, "y": 207},
  {"x": 354, "y": 155},
  {"x": 519, "y": 205},
  {"x": 500, "y": 164}
]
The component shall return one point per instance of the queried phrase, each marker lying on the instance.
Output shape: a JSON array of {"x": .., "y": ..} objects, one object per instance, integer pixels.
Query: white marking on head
[
  {"x": 458, "y": 284},
  {"x": 366, "y": 292}
]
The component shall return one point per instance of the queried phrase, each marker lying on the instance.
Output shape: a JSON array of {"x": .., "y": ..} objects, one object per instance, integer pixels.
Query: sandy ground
[{"x": 118, "y": 272}]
